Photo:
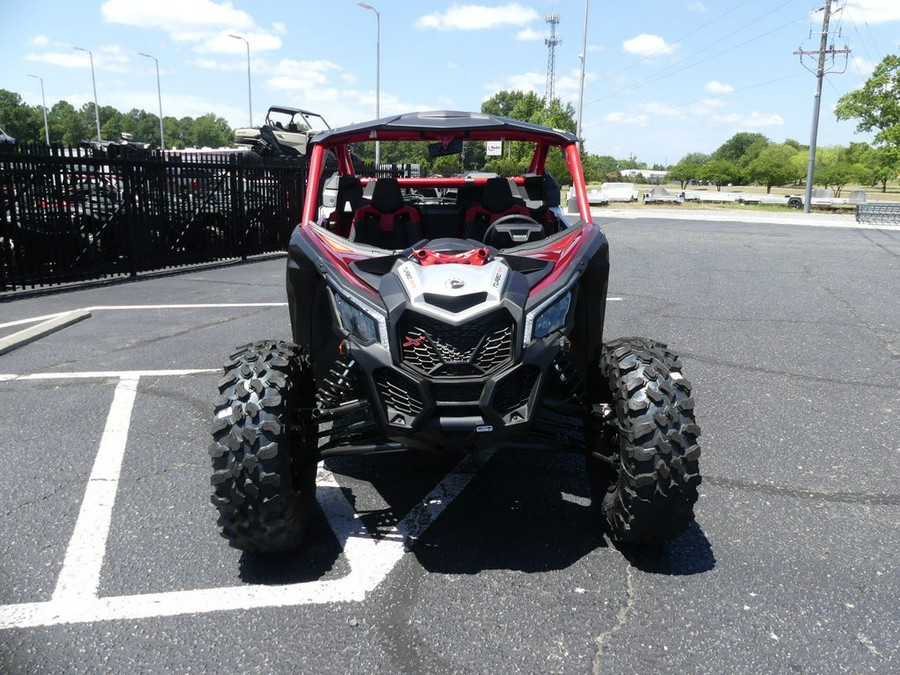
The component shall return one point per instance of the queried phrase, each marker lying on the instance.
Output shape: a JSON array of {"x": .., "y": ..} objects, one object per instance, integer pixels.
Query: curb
[
  {"x": 57, "y": 323},
  {"x": 605, "y": 214}
]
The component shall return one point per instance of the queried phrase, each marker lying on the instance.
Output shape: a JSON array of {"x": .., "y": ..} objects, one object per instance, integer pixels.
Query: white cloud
[
  {"x": 529, "y": 34},
  {"x": 108, "y": 57},
  {"x": 176, "y": 16},
  {"x": 704, "y": 107},
  {"x": 64, "y": 59},
  {"x": 477, "y": 17},
  {"x": 862, "y": 66},
  {"x": 622, "y": 117},
  {"x": 526, "y": 82},
  {"x": 697, "y": 7},
  {"x": 290, "y": 74},
  {"x": 648, "y": 45},
  {"x": 222, "y": 43},
  {"x": 752, "y": 120},
  {"x": 716, "y": 87},
  {"x": 39, "y": 41},
  {"x": 657, "y": 110},
  {"x": 205, "y": 23},
  {"x": 872, "y": 11}
]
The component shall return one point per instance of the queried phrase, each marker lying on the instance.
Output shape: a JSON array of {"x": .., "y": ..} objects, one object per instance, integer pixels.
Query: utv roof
[
  {"x": 442, "y": 125},
  {"x": 291, "y": 111}
]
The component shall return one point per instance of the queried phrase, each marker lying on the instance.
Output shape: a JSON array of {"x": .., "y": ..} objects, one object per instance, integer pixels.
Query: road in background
[{"x": 789, "y": 334}]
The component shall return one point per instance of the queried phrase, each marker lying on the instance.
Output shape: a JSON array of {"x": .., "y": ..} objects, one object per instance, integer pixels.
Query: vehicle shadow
[
  {"x": 320, "y": 555},
  {"x": 689, "y": 553},
  {"x": 522, "y": 511}
]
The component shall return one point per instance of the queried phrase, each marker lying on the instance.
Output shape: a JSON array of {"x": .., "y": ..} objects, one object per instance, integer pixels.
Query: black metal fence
[
  {"x": 882, "y": 213},
  {"x": 74, "y": 215}
]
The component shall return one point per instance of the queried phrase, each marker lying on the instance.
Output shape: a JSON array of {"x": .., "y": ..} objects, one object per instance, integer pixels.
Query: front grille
[
  {"x": 514, "y": 390},
  {"x": 397, "y": 392},
  {"x": 473, "y": 348},
  {"x": 457, "y": 392}
]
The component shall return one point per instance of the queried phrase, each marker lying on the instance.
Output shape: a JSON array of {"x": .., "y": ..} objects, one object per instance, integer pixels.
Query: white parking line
[
  {"x": 219, "y": 305},
  {"x": 76, "y": 599},
  {"x": 80, "y": 575},
  {"x": 103, "y": 308},
  {"x": 34, "y": 319}
]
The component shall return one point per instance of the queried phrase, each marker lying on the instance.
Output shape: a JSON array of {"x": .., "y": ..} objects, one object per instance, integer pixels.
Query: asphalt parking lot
[{"x": 789, "y": 331}]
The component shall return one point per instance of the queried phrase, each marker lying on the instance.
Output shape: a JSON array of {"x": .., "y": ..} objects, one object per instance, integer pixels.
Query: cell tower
[{"x": 551, "y": 42}]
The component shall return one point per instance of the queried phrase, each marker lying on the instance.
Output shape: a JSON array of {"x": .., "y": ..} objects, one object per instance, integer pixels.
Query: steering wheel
[{"x": 517, "y": 226}]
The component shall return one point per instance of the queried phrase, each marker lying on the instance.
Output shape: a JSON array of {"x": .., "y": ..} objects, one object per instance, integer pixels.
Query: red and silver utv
[{"x": 449, "y": 314}]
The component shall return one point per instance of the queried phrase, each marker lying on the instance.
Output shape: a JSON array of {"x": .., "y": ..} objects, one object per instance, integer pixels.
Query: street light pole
[
  {"x": 162, "y": 138},
  {"x": 249, "y": 92},
  {"x": 94, "y": 83},
  {"x": 377, "y": 74},
  {"x": 578, "y": 126},
  {"x": 43, "y": 108}
]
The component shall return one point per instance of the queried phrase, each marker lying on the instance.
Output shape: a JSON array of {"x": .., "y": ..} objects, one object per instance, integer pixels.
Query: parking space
[
  {"x": 111, "y": 561},
  {"x": 138, "y": 512}
]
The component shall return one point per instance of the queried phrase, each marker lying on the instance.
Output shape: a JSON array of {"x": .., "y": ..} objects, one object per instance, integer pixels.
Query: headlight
[
  {"x": 550, "y": 319},
  {"x": 356, "y": 321}
]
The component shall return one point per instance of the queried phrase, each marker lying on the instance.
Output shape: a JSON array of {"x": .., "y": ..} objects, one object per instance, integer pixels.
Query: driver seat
[
  {"x": 387, "y": 222},
  {"x": 496, "y": 202}
]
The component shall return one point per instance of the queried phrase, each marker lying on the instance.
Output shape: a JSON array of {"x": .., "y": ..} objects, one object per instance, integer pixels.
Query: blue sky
[{"x": 663, "y": 77}]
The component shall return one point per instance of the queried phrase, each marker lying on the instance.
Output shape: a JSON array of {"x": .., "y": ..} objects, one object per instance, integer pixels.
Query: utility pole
[{"x": 822, "y": 52}]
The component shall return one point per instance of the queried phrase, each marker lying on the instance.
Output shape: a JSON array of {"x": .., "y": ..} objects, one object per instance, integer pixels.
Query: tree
[
  {"x": 600, "y": 168},
  {"x": 876, "y": 105},
  {"x": 885, "y": 161},
  {"x": 684, "y": 172},
  {"x": 742, "y": 148},
  {"x": 67, "y": 126},
  {"x": 22, "y": 122},
  {"x": 834, "y": 168},
  {"x": 695, "y": 158},
  {"x": 517, "y": 105},
  {"x": 447, "y": 166},
  {"x": 211, "y": 131},
  {"x": 529, "y": 107},
  {"x": 719, "y": 172},
  {"x": 774, "y": 166},
  {"x": 555, "y": 115},
  {"x": 632, "y": 163}
]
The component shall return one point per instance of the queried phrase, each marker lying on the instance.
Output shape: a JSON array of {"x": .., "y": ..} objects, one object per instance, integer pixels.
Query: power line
[
  {"x": 664, "y": 72},
  {"x": 663, "y": 75},
  {"x": 677, "y": 40}
]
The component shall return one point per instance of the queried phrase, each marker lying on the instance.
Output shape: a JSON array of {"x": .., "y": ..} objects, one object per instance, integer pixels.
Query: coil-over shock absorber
[
  {"x": 338, "y": 386},
  {"x": 572, "y": 386}
]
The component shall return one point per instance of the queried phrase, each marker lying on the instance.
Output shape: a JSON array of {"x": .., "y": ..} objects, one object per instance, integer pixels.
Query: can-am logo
[
  {"x": 413, "y": 340},
  {"x": 454, "y": 283}
]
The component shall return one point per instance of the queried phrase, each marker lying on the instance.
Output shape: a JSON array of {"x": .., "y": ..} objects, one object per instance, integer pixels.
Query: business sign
[{"x": 494, "y": 148}]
